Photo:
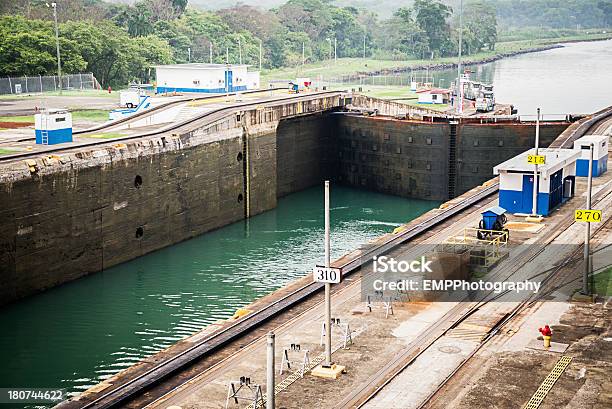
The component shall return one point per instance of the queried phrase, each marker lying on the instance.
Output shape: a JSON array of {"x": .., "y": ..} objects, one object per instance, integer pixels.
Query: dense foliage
[{"x": 120, "y": 42}]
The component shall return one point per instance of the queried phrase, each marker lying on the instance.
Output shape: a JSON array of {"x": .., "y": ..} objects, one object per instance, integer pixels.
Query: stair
[
  {"x": 44, "y": 137},
  {"x": 452, "y": 160}
]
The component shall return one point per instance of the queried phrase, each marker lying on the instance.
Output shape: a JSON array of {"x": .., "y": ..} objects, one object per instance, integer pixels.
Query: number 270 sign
[
  {"x": 326, "y": 275},
  {"x": 590, "y": 216}
]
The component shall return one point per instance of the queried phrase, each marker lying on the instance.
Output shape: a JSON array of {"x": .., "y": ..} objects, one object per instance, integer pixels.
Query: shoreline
[{"x": 450, "y": 65}]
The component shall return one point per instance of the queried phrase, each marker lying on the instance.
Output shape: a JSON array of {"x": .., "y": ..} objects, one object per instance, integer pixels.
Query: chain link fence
[{"x": 47, "y": 83}]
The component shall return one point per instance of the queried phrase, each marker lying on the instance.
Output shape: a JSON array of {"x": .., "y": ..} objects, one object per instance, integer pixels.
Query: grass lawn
[
  {"x": 21, "y": 118},
  {"x": 603, "y": 283},
  {"x": 84, "y": 93},
  {"x": 395, "y": 93},
  {"x": 345, "y": 66},
  {"x": 94, "y": 115},
  {"x": 4, "y": 151},
  {"x": 107, "y": 135}
]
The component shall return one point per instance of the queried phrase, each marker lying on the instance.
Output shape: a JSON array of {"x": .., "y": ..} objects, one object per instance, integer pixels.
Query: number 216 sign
[{"x": 326, "y": 275}]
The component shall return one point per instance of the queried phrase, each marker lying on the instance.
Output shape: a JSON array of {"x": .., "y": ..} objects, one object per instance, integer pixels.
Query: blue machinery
[
  {"x": 145, "y": 103},
  {"x": 492, "y": 223}
]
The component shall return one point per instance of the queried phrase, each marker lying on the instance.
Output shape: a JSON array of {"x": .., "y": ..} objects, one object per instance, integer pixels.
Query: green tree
[
  {"x": 480, "y": 22},
  {"x": 412, "y": 39},
  {"x": 431, "y": 16},
  {"x": 27, "y": 47}
]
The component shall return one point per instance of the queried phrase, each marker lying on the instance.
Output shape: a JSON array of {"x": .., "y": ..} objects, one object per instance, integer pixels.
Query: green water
[{"x": 82, "y": 332}]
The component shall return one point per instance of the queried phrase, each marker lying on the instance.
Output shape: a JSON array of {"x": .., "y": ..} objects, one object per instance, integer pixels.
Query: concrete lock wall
[
  {"x": 481, "y": 147},
  {"x": 68, "y": 216},
  {"x": 424, "y": 159},
  {"x": 402, "y": 158}
]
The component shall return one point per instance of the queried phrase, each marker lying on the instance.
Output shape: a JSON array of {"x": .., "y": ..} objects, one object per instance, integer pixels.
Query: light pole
[
  {"x": 335, "y": 53},
  {"x": 57, "y": 47},
  {"x": 587, "y": 232},
  {"x": 260, "y": 55},
  {"x": 189, "y": 54},
  {"x": 328, "y": 361},
  {"x": 364, "y": 46},
  {"x": 534, "y": 207},
  {"x": 459, "y": 86}
]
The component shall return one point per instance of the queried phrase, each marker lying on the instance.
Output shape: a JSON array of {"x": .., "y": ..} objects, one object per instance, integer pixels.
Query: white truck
[{"x": 485, "y": 102}]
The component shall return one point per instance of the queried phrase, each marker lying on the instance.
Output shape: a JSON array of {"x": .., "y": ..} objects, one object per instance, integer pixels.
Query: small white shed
[
  {"x": 433, "y": 96},
  {"x": 600, "y": 154},
  {"x": 53, "y": 126},
  {"x": 556, "y": 182}
]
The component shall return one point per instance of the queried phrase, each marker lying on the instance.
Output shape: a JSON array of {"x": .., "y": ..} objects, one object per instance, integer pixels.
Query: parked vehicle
[{"x": 485, "y": 102}]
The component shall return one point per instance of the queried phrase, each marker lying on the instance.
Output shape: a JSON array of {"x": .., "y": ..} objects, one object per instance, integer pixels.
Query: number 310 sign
[{"x": 326, "y": 275}]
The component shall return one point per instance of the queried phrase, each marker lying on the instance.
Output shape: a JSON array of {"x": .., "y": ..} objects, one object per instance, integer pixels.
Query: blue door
[
  {"x": 229, "y": 86},
  {"x": 527, "y": 202},
  {"x": 556, "y": 189}
]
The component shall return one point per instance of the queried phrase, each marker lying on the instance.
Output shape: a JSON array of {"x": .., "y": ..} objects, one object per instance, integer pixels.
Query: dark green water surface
[{"x": 82, "y": 332}]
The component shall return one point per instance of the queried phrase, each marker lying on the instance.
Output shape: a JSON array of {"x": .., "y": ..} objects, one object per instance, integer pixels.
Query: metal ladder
[
  {"x": 44, "y": 137},
  {"x": 44, "y": 133}
]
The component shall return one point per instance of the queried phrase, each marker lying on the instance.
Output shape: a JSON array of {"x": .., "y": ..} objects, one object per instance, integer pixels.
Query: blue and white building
[
  {"x": 600, "y": 154},
  {"x": 556, "y": 181},
  {"x": 205, "y": 78},
  {"x": 52, "y": 127}
]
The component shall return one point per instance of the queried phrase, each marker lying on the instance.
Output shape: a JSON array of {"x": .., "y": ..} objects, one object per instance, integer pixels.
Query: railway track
[
  {"x": 547, "y": 290},
  {"x": 361, "y": 396},
  {"x": 123, "y": 393},
  {"x": 357, "y": 400},
  {"x": 213, "y": 114}
]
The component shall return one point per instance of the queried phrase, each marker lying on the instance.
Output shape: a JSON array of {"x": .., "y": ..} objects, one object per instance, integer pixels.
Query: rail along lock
[{"x": 492, "y": 223}]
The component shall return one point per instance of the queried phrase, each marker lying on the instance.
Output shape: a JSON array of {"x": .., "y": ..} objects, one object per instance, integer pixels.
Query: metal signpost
[
  {"x": 534, "y": 207},
  {"x": 327, "y": 275},
  {"x": 328, "y": 361},
  {"x": 585, "y": 215}
]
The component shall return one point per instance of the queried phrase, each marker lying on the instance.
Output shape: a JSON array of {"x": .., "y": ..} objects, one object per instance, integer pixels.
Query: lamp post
[
  {"x": 459, "y": 85},
  {"x": 328, "y": 334},
  {"x": 587, "y": 232},
  {"x": 57, "y": 47},
  {"x": 534, "y": 205}
]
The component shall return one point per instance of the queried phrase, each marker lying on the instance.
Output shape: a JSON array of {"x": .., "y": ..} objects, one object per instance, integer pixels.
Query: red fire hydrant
[
  {"x": 109, "y": 89},
  {"x": 546, "y": 334}
]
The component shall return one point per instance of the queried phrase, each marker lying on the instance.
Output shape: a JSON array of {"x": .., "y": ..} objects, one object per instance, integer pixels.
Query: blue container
[{"x": 489, "y": 216}]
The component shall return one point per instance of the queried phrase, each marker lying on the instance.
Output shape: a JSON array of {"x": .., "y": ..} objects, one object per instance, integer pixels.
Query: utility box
[
  {"x": 556, "y": 181},
  {"x": 52, "y": 127},
  {"x": 600, "y": 154}
]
